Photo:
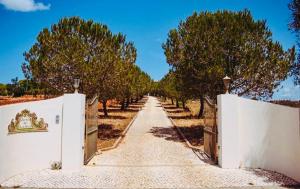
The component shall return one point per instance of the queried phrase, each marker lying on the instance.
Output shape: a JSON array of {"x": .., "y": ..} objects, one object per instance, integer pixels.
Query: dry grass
[
  {"x": 4, "y": 100},
  {"x": 110, "y": 128},
  {"x": 193, "y": 106},
  {"x": 186, "y": 120}
]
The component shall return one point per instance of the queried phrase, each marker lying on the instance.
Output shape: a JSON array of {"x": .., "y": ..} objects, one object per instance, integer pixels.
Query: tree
[
  {"x": 168, "y": 83},
  {"x": 27, "y": 73},
  {"x": 3, "y": 89},
  {"x": 71, "y": 49},
  {"x": 294, "y": 25},
  {"x": 207, "y": 46},
  {"x": 125, "y": 74},
  {"x": 78, "y": 49},
  {"x": 15, "y": 89}
]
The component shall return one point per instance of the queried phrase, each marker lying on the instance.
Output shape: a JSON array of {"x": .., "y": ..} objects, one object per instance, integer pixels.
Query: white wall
[
  {"x": 37, "y": 150},
  {"x": 259, "y": 135},
  {"x": 73, "y": 132}
]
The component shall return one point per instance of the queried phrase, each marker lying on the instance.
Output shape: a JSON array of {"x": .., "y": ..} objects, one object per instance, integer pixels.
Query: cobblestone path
[{"x": 150, "y": 156}]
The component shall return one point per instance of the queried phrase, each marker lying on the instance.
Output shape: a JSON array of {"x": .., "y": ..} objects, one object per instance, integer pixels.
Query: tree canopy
[
  {"x": 207, "y": 46},
  {"x": 294, "y": 25},
  {"x": 78, "y": 49}
]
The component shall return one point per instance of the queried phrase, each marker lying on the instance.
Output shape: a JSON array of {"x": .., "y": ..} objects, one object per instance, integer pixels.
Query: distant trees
[
  {"x": 172, "y": 87},
  {"x": 3, "y": 89},
  {"x": 17, "y": 88},
  {"x": 294, "y": 25},
  {"x": 207, "y": 46},
  {"x": 74, "y": 48}
]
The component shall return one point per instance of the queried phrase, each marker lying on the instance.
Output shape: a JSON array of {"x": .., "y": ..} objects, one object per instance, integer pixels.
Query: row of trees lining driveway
[
  {"x": 208, "y": 46},
  {"x": 200, "y": 51},
  {"x": 78, "y": 49}
]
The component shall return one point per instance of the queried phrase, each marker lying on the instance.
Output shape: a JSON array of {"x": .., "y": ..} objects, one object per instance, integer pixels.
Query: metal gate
[
  {"x": 91, "y": 129},
  {"x": 210, "y": 129}
]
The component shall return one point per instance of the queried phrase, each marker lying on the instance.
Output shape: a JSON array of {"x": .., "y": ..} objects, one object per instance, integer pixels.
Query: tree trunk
[
  {"x": 172, "y": 101},
  {"x": 201, "y": 107},
  {"x": 26, "y": 88},
  {"x": 183, "y": 104},
  {"x": 127, "y": 102},
  {"x": 104, "y": 107},
  {"x": 136, "y": 99},
  {"x": 177, "y": 103},
  {"x": 123, "y": 105}
]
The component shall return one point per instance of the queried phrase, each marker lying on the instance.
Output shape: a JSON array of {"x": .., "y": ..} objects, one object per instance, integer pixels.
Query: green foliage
[
  {"x": 20, "y": 87},
  {"x": 78, "y": 49},
  {"x": 294, "y": 25},
  {"x": 3, "y": 89},
  {"x": 207, "y": 46},
  {"x": 294, "y": 6},
  {"x": 15, "y": 89},
  {"x": 71, "y": 49}
]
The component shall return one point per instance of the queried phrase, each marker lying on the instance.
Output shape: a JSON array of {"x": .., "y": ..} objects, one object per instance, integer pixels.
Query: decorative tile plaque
[{"x": 26, "y": 121}]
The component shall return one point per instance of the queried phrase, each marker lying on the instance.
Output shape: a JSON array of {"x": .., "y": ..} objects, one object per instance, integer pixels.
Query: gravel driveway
[{"x": 150, "y": 156}]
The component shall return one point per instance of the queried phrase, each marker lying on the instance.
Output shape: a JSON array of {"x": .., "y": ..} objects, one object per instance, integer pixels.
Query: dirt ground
[
  {"x": 186, "y": 120},
  {"x": 4, "y": 100},
  {"x": 110, "y": 128}
]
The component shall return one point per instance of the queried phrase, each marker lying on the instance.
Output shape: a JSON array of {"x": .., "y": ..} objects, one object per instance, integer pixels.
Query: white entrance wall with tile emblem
[
  {"x": 257, "y": 134},
  {"x": 22, "y": 152}
]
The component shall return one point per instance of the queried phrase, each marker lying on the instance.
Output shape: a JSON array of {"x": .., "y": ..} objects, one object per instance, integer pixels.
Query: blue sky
[{"x": 145, "y": 22}]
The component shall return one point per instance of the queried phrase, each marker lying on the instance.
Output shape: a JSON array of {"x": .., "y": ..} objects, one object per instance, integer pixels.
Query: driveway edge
[
  {"x": 118, "y": 141},
  {"x": 187, "y": 143}
]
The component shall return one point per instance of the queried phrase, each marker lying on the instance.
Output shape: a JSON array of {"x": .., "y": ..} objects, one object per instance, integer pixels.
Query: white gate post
[
  {"x": 228, "y": 131},
  {"x": 73, "y": 131}
]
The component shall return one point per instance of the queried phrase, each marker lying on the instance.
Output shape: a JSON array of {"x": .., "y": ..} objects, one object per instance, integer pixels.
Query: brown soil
[
  {"x": 186, "y": 121},
  {"x": 111, "y": 127},
  {"x": 4, "y": 100}
]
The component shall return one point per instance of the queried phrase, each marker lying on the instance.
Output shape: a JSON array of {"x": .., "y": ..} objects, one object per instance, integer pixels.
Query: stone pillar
[
  {"x": 73, "y": 131},
  {"x": 228, "y": 131}
]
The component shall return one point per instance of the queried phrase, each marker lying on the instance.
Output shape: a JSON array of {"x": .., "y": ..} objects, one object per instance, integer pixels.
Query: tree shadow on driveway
[
  {"x": 171, "y": 134},
  {"x": 193, "y": 134},
  {"x": 106, "y": 132},
  {"x": 168, "y": 133}
]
